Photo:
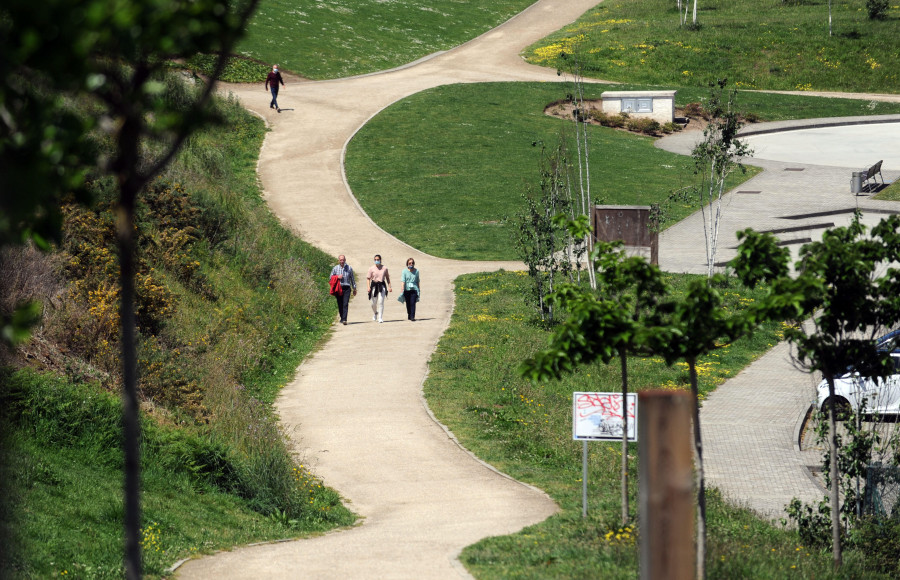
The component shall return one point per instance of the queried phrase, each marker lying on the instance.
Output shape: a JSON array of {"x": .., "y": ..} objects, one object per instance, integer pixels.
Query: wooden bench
[{"x": 870, "y": 175}]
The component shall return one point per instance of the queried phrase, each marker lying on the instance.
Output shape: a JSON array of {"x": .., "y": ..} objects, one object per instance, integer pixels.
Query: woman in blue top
[{"x": 411, "y": 288}]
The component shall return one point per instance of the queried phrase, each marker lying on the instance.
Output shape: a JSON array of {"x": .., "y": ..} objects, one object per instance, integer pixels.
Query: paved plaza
[{"x": 752, "y": 423}]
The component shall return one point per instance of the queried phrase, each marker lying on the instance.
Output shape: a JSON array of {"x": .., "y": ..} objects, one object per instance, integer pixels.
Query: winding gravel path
[{"x": 356, "y": 406}]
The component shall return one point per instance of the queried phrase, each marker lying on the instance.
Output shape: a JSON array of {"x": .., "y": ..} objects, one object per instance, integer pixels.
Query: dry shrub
[
  {"x": 27, "y": 274},
  {"x": 170, "y": 377},
  {"x": 695, "y": 111},
  {"x": 297, "y": 288},
  {"x": 87, "y": 328}
]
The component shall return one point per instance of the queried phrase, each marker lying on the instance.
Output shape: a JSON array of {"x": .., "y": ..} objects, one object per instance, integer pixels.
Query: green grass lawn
[
  {"x": 339, "y": 38},
  {"x": 890, "y": 193},
  {"x": 452, "y": 192},
  {"x": 524, "y": 430},
  {"x": 762, "y": 44}
]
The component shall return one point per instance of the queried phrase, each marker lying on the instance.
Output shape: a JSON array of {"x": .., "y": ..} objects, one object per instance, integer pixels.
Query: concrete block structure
[{"x": 657, "y": 105}]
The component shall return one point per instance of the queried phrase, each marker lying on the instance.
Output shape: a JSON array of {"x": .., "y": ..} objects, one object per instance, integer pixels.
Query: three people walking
[{"x": 378, "y": 286}]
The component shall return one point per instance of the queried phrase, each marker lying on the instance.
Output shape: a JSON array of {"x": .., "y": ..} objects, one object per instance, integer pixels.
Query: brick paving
[{"x": 751, "y": 423}]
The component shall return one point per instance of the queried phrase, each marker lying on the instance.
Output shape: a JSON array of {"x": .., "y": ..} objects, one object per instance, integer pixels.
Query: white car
[{"x": 881, "y": 396}]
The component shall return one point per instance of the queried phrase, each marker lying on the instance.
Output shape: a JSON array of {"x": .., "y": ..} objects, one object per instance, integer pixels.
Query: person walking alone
[
  {"x": 348, "y": 285},
  {"x": 272, "y": 82},
  {"x": 378, "y": 281},
  {"x": 411, "y": 289}
]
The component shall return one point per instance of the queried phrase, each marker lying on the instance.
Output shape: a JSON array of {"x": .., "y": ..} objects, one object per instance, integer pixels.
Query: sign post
[{"x": 600, "y": 417}]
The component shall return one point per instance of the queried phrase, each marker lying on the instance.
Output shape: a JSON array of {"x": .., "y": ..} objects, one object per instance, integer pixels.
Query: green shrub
[
  {"x": 607, "y": 120},
  {"x": 879, "y": 540},
  {"x": 643, "y": 125},
  {"x": 671, "y": 127},
  {"x": 814, "y": 525},
  {"x": 877, "y": 9},
  {"x": 237, "y": 69}
]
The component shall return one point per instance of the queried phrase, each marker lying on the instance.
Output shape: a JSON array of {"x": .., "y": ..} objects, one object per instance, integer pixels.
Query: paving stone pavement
[{"x": 751, "y": 424}]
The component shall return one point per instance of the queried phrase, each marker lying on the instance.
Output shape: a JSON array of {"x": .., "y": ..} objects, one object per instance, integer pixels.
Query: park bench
[{"x": 862, "y": 178}]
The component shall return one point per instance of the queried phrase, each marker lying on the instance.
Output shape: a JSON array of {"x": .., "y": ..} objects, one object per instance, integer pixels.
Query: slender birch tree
[{"x": 715, "y": 159}]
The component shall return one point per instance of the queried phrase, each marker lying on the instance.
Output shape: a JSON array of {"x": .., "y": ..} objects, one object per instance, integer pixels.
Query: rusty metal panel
[{"x": 628, "y": 223}]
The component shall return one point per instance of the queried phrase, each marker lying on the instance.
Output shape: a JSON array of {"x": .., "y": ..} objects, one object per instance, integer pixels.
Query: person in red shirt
[{"x": 272, "y": 81}]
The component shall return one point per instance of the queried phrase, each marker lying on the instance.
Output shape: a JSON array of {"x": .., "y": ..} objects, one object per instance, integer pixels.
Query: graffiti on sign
[{"x": 600, "y": 416}]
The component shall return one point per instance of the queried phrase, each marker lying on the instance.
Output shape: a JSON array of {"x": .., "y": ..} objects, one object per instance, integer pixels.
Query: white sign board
[{"x": 599, "y": 416}]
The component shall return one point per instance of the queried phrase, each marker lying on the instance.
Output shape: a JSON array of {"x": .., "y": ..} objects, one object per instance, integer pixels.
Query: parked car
[{"x": 881, "y": 396}]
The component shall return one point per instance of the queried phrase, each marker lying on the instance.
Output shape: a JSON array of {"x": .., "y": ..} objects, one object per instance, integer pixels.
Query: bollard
[{"x": 666, "y": 489}]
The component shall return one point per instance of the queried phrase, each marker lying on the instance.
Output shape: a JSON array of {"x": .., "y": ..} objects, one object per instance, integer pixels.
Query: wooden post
[{"x": 666, "y": 490}]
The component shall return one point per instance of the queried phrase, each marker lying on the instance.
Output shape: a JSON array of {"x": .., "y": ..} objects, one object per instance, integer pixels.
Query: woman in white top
[{"x": 378, "y": 284}]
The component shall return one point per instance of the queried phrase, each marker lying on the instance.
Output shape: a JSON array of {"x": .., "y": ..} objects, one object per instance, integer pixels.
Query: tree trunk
[
  {"x": 701, "y": 479},
  {"x": 126, "y": 167},
  {"x": 835, "y": 479},
  {"x": 829, "y": 17},
  {"x": 695, "y": 11}
]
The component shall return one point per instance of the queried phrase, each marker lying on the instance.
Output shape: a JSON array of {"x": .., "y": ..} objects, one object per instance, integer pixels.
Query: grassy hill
[
  {"x": 339, "y": 38},
  {"x": 757, "y": 44},
  {"x": 228, "y": 303}
]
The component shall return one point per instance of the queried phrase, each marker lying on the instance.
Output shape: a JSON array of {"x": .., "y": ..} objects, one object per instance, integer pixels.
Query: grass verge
[
  {"x": 890, "y": 193},
  {"x": 525, "y": 431},
  {"x": 67, "y": 469}
]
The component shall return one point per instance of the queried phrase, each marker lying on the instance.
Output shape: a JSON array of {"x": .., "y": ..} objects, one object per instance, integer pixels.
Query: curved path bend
[{"x": 356, "y": 406}]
